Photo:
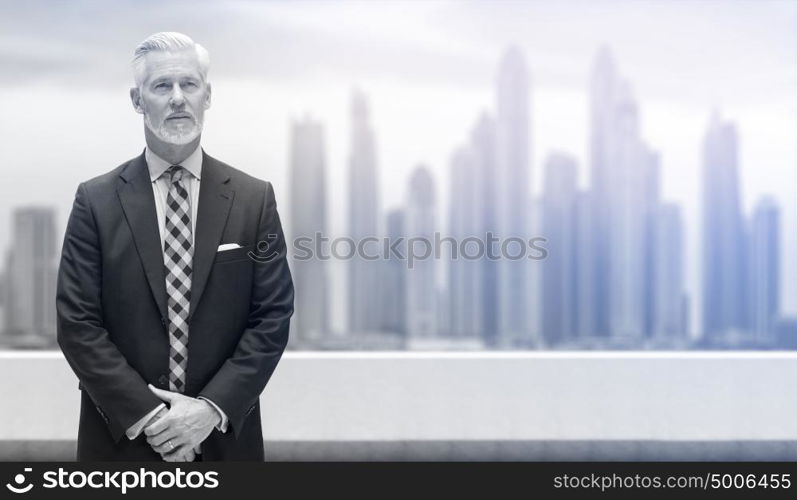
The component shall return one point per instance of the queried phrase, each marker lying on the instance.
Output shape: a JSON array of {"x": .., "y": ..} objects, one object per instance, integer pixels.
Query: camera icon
[{"x": 19, "y": 480}]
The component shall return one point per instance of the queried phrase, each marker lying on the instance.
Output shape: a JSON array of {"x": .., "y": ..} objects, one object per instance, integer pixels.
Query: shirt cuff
[
  {"x": 222, "y": 425},
  {"x": 134, "y": 430}
]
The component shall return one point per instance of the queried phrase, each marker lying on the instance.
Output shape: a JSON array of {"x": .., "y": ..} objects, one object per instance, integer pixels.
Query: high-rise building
[
  {"x": 394, "y": 279},
  {"x": 31, "y": 278},
  {"x": 559, "y": 210},
  {"x": 586, "y": 300},
  {"x": 364, "y": 316},
  {"x": 627, "y": 231},
  {"x": 422, "y": 294},
  {"x": 764, "y": 268},
  {"x": 536, "y": 261},
  {"x": 786, "y": 333},
  {"x": 307, "y": 222},
  {"x": 3, "y": 295},
  {"x": 512, "y": 196},
  {"x": 624, "y": 184},
  {"x": 723, "y": 261},
  {"x": 594, "y": 265},
  {"x": 483, "y": 151},
  {"x": 651, "y": 207},
  {"x": 669, "y": 310},
  {"x": 466, "y": 227}
]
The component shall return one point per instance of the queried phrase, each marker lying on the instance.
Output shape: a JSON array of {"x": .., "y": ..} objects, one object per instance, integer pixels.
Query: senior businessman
[{"x": 174, "y": 295}]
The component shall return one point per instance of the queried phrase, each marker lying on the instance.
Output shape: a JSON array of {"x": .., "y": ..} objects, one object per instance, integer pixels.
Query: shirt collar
[{"x": 157, "y": 165}]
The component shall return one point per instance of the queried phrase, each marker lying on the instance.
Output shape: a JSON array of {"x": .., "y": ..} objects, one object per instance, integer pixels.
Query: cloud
[{"x": 260, "y": 41}]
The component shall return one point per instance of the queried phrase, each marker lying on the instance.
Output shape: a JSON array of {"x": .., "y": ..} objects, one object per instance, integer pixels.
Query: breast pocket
[{"x": 234, "y": 255}]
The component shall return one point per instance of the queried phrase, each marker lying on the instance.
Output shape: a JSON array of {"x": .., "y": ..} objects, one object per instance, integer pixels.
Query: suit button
[
  {"x": 163, "y": 380},
  {"x": 163, "y": 321}
]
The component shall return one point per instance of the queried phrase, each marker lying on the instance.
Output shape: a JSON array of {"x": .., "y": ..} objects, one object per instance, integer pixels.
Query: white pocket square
[{"x": 228, "y": 246}]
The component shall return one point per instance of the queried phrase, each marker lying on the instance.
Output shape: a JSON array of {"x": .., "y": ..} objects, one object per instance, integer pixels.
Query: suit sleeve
[
  {"x": 237, "y": 386},
  {"x": 119, "y": 392},
  {"x": 135, "y": 430}
]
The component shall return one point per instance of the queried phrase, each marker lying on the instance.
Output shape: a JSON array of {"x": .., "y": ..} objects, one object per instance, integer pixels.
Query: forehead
[{"x": 171, "y": 64}]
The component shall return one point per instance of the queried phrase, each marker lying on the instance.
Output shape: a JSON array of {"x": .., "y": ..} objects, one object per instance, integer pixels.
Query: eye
[{"x": 161, "y": 86}]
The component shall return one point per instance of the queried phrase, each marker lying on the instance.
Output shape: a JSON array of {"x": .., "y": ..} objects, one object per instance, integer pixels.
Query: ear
[
  {"x": 207, "y": 98},
  {"x": 135, "y": 98}
]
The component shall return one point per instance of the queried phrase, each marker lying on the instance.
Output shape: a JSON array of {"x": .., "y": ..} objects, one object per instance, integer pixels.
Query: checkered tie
[{"x": 178, "y": 252}]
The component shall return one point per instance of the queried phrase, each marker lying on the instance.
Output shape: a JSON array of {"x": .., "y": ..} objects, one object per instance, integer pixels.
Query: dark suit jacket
[{"x": 112, "y": 316}]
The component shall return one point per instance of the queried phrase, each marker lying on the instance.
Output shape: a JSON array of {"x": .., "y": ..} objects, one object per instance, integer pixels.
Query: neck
[{"x": 175, "y": 154}]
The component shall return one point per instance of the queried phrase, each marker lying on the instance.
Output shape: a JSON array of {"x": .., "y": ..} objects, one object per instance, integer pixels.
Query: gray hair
[{"x": 168, "y": 41}]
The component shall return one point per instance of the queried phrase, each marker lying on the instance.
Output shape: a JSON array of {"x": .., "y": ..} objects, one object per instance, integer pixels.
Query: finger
[
  {"x": 169, "y": 447},
  {"x": 159, "y": 425},
  {"x": 162, "y": 413},
  {"x": 182, "y": 453},
  {"x": 159, "y": 439},
  {"x": 179, "y": 459},
  {"x": 173, "y": 458},
  {"x": 186, "y": 458},
  {"x": 166, "y": 396}
]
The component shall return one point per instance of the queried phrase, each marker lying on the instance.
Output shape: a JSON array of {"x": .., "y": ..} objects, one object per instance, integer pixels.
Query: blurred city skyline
[
  {"x": 427, "y": 80},
  {"x": 613, "y": 273}
]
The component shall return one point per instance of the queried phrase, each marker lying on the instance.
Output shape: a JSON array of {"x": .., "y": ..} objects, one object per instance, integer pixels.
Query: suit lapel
[
  {"x": 215, "y": 199},
  {"x": 138, "y": 202}
]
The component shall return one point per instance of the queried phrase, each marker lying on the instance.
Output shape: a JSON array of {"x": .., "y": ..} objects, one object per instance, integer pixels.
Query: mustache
[{"x": 181, "y": 114}]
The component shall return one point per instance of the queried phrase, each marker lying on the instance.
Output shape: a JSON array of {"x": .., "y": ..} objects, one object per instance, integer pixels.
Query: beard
[{"x": 179, "y": 137}]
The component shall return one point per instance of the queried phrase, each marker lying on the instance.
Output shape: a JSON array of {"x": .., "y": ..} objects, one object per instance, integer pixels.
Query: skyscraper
[
  {"x": 363, "y": 285},
  {"x": 651, "y": 208},
  {"x": 512, "y": 196},
  {"x": 483, "y": 151},
  {"x": 586, "y": 259},
  {"x": 421, "y": 277},
  {"x": 604, "y": 124},
  {"x": 394, "y": 278},
  {"x": 764, "y": 270},
  {"x": 31, "y": 278},
  {"x": 624, "y": 182},
  {"x": 3, "y": 307},
  {"x": 308, "y": 218},
  {"x": 723, "y": 236},
  {"x": 669, "y": 310},
  {"x": 626, "y": 227},
  {"x": 466, "y": 226},
  {"x": 558, "y": 294}
]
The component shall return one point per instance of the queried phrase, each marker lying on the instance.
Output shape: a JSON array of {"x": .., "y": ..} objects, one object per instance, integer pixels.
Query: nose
[{"x": 177, "y": 98}]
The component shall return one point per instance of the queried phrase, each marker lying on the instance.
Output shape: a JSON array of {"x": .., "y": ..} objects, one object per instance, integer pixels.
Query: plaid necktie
[{"x": 178, "y": 253}]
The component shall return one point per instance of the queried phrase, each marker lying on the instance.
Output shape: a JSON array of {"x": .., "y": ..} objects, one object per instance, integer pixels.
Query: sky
[{"x": 429, "y": 70}]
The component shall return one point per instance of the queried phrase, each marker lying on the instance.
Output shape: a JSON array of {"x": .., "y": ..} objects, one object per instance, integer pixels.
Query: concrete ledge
[
  {"x": 482, "y": 401},
  {"x": 489, "y": 451}
]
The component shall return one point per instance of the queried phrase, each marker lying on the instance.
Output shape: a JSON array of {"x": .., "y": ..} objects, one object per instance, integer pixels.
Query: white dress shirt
[{"x": 160, "y": 189}]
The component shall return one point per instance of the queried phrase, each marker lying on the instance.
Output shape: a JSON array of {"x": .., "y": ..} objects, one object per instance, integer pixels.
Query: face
[{"x": 173, "y": 96}]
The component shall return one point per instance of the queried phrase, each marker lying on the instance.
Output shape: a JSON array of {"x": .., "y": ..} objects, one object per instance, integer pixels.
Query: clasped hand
[{"x": 175, "y": 433}]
